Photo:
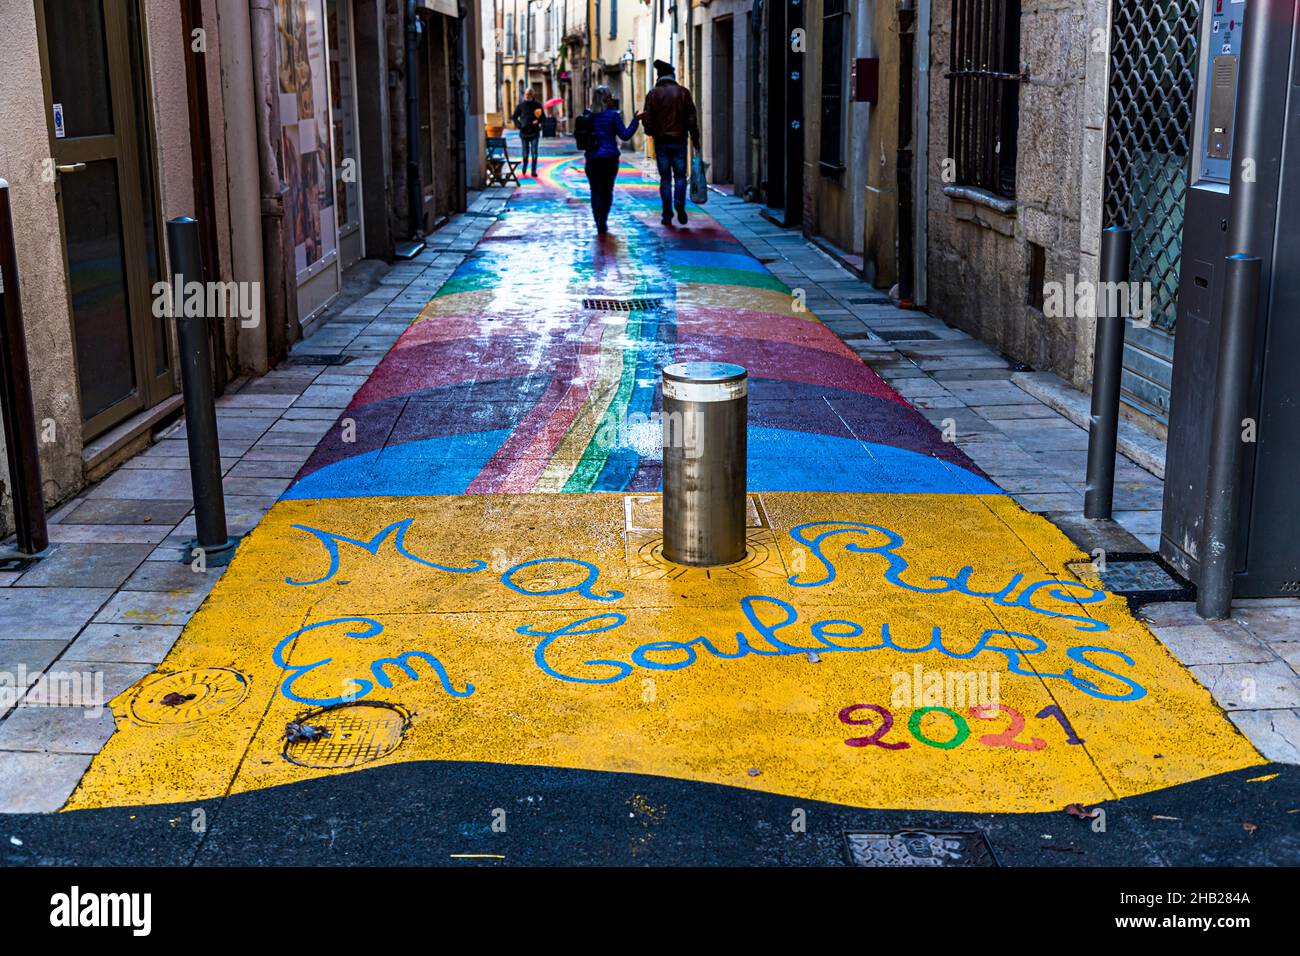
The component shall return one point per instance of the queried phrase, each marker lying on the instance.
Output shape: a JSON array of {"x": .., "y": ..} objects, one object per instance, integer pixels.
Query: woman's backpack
[{"x": 584, "y": 131}]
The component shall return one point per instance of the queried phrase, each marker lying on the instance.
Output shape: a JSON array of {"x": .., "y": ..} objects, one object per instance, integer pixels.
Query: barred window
[
  {"x": 984, "y": 93},
  {"x": 834, "y": 66}
]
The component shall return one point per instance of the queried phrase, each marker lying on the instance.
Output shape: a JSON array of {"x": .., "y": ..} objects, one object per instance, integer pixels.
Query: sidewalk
[
  {"x": 109, "y": 602},
  {"x": 500, "y": 625}
]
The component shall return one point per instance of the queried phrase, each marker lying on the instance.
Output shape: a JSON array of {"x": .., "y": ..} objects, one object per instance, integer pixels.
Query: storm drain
[
  {"x": 919, "y": 848},
  {"x": 622, "y": 305},
  {"x": 315, "y": 358},
  {"x": 1140, "y": 578},
  {"x": 906, "y": 335},
  {"x": 187, "y": 697},
  {"x": 348, "y": 735}
]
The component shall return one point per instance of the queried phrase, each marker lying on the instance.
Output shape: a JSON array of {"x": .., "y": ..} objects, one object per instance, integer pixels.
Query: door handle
[{"x": 69, "y": 167}]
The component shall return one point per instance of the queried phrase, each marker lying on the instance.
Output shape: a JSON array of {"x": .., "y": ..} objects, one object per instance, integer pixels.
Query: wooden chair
[{"x": 500, "y": 167}]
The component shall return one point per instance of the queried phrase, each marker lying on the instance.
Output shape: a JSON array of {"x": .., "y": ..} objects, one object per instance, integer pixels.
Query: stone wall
[{"x": 978, "y": 257}]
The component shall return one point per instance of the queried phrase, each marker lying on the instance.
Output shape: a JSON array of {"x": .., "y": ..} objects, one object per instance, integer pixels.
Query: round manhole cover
[
  {"x": 189, "y": 696},
  {"x": 348, "y": 735}
]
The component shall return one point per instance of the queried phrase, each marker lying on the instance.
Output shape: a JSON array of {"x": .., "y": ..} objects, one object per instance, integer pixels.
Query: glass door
[{"x": 97, "y": 111}]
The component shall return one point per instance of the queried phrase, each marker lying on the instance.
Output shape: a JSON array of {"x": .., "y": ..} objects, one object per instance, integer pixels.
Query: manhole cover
[
  {"x": 189, "y": 696},
  {"x": 906, "y": 335},
  {"x": 920, "y": 848},
  {"x": 621, "y": 305},
  {"x": 353, "y": 734}
]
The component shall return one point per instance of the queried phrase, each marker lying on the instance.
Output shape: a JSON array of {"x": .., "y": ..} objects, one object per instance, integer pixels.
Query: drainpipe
[
  {"x": 414, "y": 188},
  {"x": 906, "y": 233},
  {"x": 281, "y": 296}
]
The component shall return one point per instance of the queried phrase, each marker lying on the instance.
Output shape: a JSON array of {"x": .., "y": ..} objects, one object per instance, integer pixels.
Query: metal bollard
[
  {"x": 16, "y": 405},
  {"x": 200, "y": 412},
  {"x": 705, "y": 411},
  {"x": 1107, "y": 370},
  {"x": 1227, "y": 450}
]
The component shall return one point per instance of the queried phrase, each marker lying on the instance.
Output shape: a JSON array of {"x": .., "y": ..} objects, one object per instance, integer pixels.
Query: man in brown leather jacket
[{"x": 670, "y": 117}]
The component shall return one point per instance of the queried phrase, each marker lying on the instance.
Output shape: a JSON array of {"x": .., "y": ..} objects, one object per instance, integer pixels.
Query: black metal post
[
  {"x": 196, "y": 383},
  {"x": 16, "y": 398},
  {"x": 1107, "y": 368},
  {"x": 1227, "y": 443}
]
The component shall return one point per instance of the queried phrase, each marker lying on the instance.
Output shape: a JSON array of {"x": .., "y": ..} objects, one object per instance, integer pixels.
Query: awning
[{"x": 448, "y": 8}]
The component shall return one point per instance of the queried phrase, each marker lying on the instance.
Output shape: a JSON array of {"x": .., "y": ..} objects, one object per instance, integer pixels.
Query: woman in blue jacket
[{"x": 602, "y": 161}]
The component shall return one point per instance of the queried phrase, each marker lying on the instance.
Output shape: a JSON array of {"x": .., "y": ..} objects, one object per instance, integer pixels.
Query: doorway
[
  {"x": 94, "y": 67},
  {"x": 724, "y": 94}
]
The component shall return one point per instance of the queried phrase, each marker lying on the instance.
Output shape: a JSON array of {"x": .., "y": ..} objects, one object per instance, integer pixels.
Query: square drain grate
[
  {"x": 919, "y": 848},
  {"x": 1141, "y": 578},
  {"x": 906, "y": 335},
  {"x": 317, "y": 358},
  {"x": 622, "y": 305}
]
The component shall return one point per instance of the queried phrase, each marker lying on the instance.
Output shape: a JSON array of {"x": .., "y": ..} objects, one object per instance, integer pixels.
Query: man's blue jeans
[
  {"x": 671, "y": 159},
  {"x": 530, "y": 151}
]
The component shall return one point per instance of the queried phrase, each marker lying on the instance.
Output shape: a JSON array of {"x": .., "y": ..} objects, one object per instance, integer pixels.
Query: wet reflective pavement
[{"x": 465, "y": 590}]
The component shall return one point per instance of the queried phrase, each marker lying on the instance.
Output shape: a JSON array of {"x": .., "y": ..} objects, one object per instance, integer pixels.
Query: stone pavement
[
  {"x": 106, "y": 606},
  {"x": 495, "y": 468}
]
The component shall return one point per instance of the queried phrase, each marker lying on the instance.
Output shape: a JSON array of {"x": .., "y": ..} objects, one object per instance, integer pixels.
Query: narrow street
[{"x": 455, "y": 639}]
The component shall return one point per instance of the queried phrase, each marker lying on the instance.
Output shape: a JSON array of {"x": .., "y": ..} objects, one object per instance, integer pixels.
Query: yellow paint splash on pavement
[{"x": 682, "y": 682}]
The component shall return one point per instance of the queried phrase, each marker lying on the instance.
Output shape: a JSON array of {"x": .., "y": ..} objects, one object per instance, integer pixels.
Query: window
[
  {"x": 834, "y": 17},
  {"x": 984, "y": 93},
  {"x": 510, "y": 33},
  {"x": 613, "y": 19}
]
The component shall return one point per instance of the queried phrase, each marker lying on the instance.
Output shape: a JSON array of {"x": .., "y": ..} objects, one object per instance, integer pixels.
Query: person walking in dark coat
[
  {"x": 528, "y": 120},
  {"x": 670, "y": 118},
  {"x": 602, "y": 160}
]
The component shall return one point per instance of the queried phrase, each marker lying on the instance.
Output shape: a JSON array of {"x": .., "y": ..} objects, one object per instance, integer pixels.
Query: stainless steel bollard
[{"x": 705, "y": 409}]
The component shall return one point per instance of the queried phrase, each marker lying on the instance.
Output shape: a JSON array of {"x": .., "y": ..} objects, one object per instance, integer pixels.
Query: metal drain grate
[
  {"x": 920, "y": 848},
  {"x": 353, "y": 734},
  {"x": 186, "y": 697},
  {"x": 622, "y": 305},
  {"x": 315, "y": 358},
  {"x": 906, "y": 335},
  {"x": 1140, "y": 578}
]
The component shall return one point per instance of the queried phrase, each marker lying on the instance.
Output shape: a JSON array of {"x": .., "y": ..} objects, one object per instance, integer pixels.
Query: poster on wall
[{"x": 305, "y": 122}]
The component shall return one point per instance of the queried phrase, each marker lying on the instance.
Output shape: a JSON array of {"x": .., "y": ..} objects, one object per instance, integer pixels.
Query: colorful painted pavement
[{"x": 468, "y": 570}]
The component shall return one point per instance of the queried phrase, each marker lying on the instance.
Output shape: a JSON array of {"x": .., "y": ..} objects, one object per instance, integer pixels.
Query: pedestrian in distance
[
  {"x": 528, "y": 120},
  {"x": 597, "y": 134},
  {"x": 670, "y": 118}
]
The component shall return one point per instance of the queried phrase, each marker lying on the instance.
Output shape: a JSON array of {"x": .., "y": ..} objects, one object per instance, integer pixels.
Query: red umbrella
[{"x": 553, "y": 102}]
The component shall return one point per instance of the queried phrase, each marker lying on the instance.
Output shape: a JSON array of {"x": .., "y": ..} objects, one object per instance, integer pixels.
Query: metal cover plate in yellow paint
[
  {"x": 352, "y": 734},
  {"x": 186, "y": 697}
]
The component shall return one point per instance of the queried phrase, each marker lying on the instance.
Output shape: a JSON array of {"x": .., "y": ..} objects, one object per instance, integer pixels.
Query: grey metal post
[
  {"x": 16, "y": 404},
  {"x": 1227, "y": 445},
  {"x": 705, "y": 409},
  {"x": 196, "y": 383},
  {"x": 1107, "y": 369}
]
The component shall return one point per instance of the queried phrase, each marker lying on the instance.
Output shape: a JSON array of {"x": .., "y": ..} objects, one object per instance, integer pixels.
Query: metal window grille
[
  {"x": 834, "y": 17},
  {"x": 1148, "y": 136},
  {"x": 984, "y": 93}
]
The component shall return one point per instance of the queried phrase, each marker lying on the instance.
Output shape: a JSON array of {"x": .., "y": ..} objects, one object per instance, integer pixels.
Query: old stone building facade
[{"x": 990, "y": 251}]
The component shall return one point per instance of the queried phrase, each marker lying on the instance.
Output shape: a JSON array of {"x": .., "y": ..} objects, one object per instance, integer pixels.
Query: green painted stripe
[{"x": 715, "y": 275}]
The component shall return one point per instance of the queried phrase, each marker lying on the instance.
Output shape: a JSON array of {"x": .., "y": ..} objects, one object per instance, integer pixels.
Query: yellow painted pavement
[{"x": 773, "y": 719}]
